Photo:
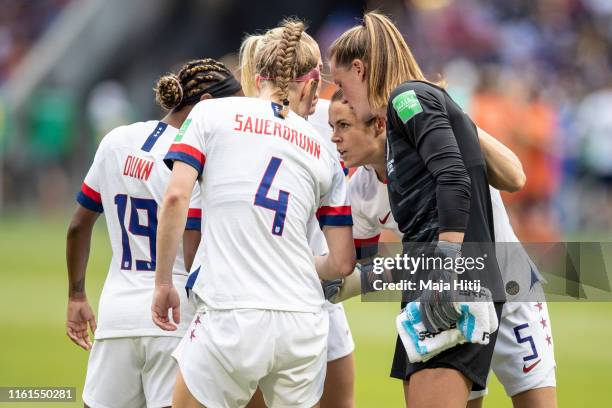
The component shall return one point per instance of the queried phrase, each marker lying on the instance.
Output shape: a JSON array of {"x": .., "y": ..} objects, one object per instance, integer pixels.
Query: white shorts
[
  {"x": 523, "y": 358},
  {"x": 226, "y": 354},
  {"x": 340, "y": 340},
  {"x": 131, "y": 372}
]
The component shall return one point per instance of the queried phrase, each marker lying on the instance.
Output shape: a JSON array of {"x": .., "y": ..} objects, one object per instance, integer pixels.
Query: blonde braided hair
[{"x": 283, "y": 54}]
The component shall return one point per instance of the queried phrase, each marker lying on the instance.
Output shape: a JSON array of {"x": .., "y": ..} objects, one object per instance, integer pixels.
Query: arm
[
  {"x": 429, "y": 128},
  {"x": 340, "y": 261},
  {"x": 441, "y": 155},
  {"x": 504, "y": 169},
  {"x": 191, "y": 241},
  {"x": 193, "y": 229},
  {"x": 336, "y": 221},
  {"x": 170, "y": 228},
  {"x": 78, "y": 241}
]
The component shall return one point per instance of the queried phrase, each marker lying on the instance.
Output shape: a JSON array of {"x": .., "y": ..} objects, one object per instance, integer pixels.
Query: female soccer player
[
  {"x": 437, "y": 187},
  {"x": 267, "y": 172},
  {"x": 526, "y": 372},
  {"x": 340, "y": 377},
  {"x": 130, "y": 362}
]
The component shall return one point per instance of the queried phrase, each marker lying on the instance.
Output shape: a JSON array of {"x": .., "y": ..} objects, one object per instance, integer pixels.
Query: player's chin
[
  {"x": 352, "y": 161},
  {"x": 346, "y": 158}
]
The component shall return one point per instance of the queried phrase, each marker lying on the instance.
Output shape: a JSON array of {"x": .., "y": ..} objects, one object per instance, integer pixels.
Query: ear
[
  {"x": 307, "y": 92},
  {"x": 359, "y": 68},
  {"x": 381, "y": 125},
  {"x": 206, "y": 96},
  {"x": 309, "y": 89}
]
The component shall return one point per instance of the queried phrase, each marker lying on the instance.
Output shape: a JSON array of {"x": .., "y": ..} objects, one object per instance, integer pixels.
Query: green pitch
[{"x": 36, "y": 352}]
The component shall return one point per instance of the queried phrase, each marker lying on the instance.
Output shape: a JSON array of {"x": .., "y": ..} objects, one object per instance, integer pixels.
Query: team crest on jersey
[
  {"x": 181, "y": 133},
  {"x": 407, "y": 105}
]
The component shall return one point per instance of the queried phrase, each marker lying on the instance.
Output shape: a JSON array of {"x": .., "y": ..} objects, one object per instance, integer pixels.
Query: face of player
[
  {"x": 353, "y": 83},
  {"x": 357, "y": 142}
]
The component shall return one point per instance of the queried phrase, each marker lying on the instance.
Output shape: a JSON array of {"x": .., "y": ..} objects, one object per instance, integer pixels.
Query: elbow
[
  {"x": 517, "y": 182},
  {"x": 347, "y": 266},
  {"x": 457, "y": 179},
  {"x": 459, "y": 185},
  {"x": 76, "y": 228},
  {"x": 175, "y": 197},
  {"x": 73, "y": 230},
  {"x": 466, "y": 183}
]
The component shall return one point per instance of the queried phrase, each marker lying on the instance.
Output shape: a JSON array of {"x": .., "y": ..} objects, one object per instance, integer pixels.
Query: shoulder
[
  {"x": 122, "y": 135},
  {"x": 362, "y": 183},
  {"x": 321, "y": 113},
  {"x": 420, "y": 88},
  {"x": 320, "y": 118},
  {"x": 218, "y": 106},
  {"x": 415, "y": 92},
  {"x": 413, "y": 97},
  {"x": 303, "y": 125}
]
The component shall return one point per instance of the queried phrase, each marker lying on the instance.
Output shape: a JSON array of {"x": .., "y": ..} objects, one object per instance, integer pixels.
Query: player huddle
[{"x": 241, "y": 184}]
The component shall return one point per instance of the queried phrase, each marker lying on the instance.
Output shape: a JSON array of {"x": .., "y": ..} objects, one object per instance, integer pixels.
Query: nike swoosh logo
[
  {"x": 527, "y": 369},
  {"x": 384, "y": 220}
]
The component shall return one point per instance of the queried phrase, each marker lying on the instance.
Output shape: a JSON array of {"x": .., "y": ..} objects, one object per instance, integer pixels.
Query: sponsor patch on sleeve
[
  {"x": 407, "y": 105},
  {"x": 183, "y": 129}
]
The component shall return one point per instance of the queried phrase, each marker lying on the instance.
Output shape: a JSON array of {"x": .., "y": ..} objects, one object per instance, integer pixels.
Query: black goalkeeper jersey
[
  {"x": 436, "y": 171},
  {"x": 437, "y": 182}
]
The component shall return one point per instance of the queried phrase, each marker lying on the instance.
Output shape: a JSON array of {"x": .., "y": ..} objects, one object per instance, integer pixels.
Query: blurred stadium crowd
[{"x": 534, "y": 73}]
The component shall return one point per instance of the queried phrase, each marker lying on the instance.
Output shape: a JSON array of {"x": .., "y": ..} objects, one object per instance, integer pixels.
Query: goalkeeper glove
[{"x": 437, "y": 306}]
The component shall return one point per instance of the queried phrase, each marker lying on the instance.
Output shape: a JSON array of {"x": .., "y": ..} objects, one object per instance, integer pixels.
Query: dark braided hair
[{"x": 174, "y": 91}]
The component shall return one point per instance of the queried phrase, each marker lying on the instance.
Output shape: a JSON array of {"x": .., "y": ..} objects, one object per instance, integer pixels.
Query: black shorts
[{"x": 472, "y": 360}]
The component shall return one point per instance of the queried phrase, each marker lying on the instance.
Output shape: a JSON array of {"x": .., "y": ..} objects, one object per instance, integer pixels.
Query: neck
[
  {"x": 380, "y": 163},
  {"x": 270, "y": 94},
  {"x": 381, "y": 172},
  {"x": 176, "y": 119}
]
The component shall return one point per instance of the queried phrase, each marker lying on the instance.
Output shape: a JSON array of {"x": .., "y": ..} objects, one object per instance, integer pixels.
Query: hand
[
  {"x": 166, "y": 297},
  {"x": 78, "y": 316},
  {"x": 331, "y": 288},
  {"x": 357, "y": 283},
  {"x": 437, "y": 307}
]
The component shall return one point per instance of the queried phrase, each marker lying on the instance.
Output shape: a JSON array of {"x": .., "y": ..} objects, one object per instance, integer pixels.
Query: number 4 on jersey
[{"x": 279, "y": 205}]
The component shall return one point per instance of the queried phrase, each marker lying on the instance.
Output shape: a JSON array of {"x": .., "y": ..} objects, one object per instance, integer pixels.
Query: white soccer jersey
[
  {"x": 371, "y": 211},
  {"x": 265, "y": 178},
  {"x": 511, "y": 255},
  {"x": 320, "y": 121},
  {"x": 127, "y": 181}
]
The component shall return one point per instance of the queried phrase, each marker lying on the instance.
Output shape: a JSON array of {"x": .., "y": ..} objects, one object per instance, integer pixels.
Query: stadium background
[{"x": 536, "y": 74}]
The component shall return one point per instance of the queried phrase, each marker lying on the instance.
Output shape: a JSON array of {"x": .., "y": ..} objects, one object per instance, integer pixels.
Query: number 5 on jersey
[{"x": 279, "y": 205}]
